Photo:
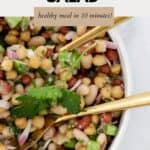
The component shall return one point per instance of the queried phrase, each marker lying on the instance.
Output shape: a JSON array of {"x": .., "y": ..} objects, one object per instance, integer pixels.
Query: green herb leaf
[
  {"x": 48, "y": 92},
  {"x": 40, "y": 98},
  {"x": 21, "y": 67},
  {"x": 24, "y": 23},
  {"x": 71, "y": 101},
  {"x": 93, "y": 145},
  {"x": 69, "y": 59}
]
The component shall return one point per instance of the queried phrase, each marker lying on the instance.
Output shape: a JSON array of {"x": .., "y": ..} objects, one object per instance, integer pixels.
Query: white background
[
  {"x": 135, "y": 36},
  {"x": 122, "y": 7}
]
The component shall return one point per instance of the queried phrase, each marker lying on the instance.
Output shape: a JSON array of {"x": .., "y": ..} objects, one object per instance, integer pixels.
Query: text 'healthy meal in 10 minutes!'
[{"x": 39, "y": 82}]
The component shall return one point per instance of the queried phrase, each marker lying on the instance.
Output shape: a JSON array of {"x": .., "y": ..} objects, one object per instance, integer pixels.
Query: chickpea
[
  {"x": 106, "y": 91},
  {"x": 4, "y": 114},
  {"x": 39, "y": 82},
  {"x": 65, "y": 76},
  {"x": 99, "y": 60},
  {"x": 100, "y": 80},
  {"x": 54, "y": 37},
  {"x": 13, "y": 100},
  {"x": 36, "y": 41},
  {"x": 11, "y": 75},
  {"x": 11, "y": 39},
  {"x": 7, "y": 65},
  {"x": 13, "y": 32},
  {"x": 21, "y": 52},
  {"x": 81, "y": 30},
  {"x": 82, "y": 148},
  {"x": 100, "y": 46},
  {"x": 83, "y": 90},
  {"x": 95, "y": 119},
  {"x": 61, "y": 38},
  {"x": 40, "y": 51},
  {"x": 116, "y": 69},
  {"x": 117, "y": 92},
  {"x": 25, "y": 36},
  {"x": 7, "y": 132},
  {"x": 86, "y": 61},
  {"x": 46, "y": 64},
  {"x": 2, "y": 146},
  {"x": 34, "y": 62},
  {"x": 63, "y": 128},
  {"x": 86, "y": 81},
  {"x": 90, "y": 130},
  {"x": 69, "y": 134},
  {"x": 59, "y": 110},
  {"x": 19, "y": 89},
  {"x": 21, "y": 123},
  {"x": 38, "y": 122}
]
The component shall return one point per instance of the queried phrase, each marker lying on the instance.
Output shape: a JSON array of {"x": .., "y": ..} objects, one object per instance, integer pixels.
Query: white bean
[
  {"x": 81, "y": 136},
  {"x": 83, "y": 90},
  {"x": 59, "y": 110},
  {"x": 90, "y": 98},
  {"x": 102, "y": 139},
  {"x": 59, "y": 139},
  {"x": 49, "y": 134},
  {"x": 86, "y": 61},
  {"x": 52, "y": 146},
  {"x": 63, "y": 128}
]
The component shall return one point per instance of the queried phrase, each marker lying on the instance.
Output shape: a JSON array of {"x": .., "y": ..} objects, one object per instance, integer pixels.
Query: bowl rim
[{"x": 115, "y": 36}]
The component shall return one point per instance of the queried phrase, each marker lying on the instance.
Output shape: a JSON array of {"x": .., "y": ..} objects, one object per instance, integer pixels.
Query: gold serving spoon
[{"x": 116, "y": 105}]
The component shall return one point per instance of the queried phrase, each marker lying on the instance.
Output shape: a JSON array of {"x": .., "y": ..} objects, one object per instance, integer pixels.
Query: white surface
[
  {"x": 136, "y": 37},
  {"x": 122, "y": 7}
]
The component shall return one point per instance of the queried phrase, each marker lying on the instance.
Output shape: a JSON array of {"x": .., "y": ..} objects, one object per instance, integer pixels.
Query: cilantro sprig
[
  {"x": 72, "y": 59},
  {"x": 41, "y": 98}
]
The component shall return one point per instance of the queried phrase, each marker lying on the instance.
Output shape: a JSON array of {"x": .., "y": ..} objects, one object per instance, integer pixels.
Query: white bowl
[{"x": 114, "y": 35}]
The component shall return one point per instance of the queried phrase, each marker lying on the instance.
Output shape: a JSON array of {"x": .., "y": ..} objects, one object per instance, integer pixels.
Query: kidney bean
[
  {"x": 112, "y": 55},
  {"x": 84, "y": 122},
  {"x": 46, "y": 35},
  {"x": 105, "y": 69},
  {"x": 49, "y": 53},
  {"x": 63, "y": 30},
  {"x": 60, "y": 148},
  {"x": 72, "y": 82},
  {"x": 107, "y": 117},
  {"x": 26, "y": 79},
  {"x": 117, "y": 82},
  {"x": 2, "y": 74},
  {"x": 5, "y": 87}
]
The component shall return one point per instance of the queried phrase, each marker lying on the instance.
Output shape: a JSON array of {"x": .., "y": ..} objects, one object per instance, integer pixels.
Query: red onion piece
[
  {"x": 12, "y": 54},
  {"x": 111, "y": 45},
  {"x": 24, "y": 136}
]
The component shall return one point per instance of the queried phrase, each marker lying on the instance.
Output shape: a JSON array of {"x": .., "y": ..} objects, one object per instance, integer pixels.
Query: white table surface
[{"x": 136, "y": 37}]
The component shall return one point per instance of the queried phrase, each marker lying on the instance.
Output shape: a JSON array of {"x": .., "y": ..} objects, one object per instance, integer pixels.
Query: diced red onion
[
  {"x": 111, "y": 45},
  {"x": 12, "y": 54},
  {"x": 4, "y": 104},
  {"x": 76, "y": 85},
  {"x": 24, "y": 136},
  {"x": 70, "y": 35},
  {"x": 108, "y": 61}
]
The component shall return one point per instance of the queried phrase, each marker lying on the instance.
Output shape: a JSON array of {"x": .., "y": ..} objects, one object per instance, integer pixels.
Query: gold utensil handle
[
  {"x": 95, "y": 32},
  {"x": 122, "y": 104}
]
